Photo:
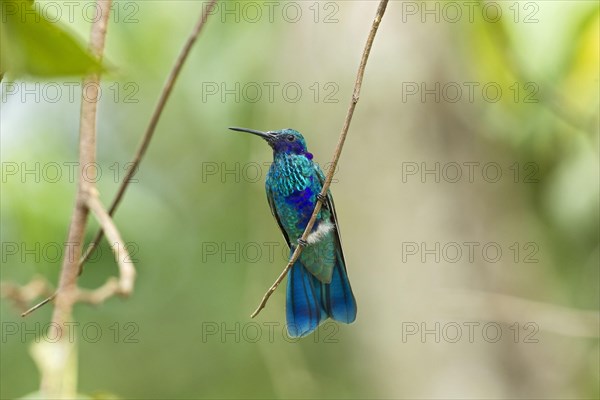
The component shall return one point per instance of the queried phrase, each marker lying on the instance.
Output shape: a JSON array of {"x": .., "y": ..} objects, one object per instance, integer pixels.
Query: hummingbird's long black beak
[{"x": 264, "y": 135}]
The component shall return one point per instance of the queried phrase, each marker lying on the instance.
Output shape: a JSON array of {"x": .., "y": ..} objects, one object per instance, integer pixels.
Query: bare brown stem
[
  {"x": 111, "y": 287},
  {"x": 126, "y": 268},
  {"x": 67, "y": 286},
  {"x": 87, "y": 156},
  {"x": 336, "y": 154}
]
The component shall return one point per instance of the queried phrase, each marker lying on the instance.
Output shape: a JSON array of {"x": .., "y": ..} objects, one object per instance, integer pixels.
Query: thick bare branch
[
  {"x": 336, "y": 154},
  {"x": 67, "y": 287},
  {"x": 87, "y": 157}
]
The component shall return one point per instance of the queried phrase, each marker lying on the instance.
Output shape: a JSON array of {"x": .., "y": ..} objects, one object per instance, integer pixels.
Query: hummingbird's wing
[
  {"x": 339, "y": 300},
  {"x": 274, "y": 212}
]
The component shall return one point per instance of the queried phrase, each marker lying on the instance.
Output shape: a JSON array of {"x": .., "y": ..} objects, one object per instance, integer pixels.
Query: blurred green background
[{"x": 206, "y": 246}]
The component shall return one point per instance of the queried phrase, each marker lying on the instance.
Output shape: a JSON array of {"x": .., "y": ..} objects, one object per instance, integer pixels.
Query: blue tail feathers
[
  {"x": 310, "y": 302},
  {"x": 339, "y": 300},
  {"x": 304, "y": 311}
]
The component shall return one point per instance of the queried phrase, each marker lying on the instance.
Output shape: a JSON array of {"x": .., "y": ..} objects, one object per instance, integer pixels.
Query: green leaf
[{"x": 32, "y": 45}]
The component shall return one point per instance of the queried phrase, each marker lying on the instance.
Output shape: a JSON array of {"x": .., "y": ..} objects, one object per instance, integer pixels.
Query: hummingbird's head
[{"x": 282, "y": 141}]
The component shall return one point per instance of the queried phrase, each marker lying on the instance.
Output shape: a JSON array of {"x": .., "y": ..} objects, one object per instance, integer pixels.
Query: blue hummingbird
[{"x": 318, "y": 287}]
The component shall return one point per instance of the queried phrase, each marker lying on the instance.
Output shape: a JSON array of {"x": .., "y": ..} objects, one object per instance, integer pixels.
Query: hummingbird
[{"x": 317, "y": 287}]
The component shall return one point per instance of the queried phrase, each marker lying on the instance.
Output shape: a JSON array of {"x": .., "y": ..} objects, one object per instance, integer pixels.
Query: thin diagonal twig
[
  {"x": 23, "y": 295},
  {"x": 39, "y": 305},
  {"x": 143, "y": 146},
  {"x": 145, "y": 142},
  {"x": 336, "y": 155}
]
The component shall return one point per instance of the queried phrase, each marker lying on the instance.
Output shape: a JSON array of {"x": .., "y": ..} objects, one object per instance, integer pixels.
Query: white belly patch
[{"x": 323, "y": 229}]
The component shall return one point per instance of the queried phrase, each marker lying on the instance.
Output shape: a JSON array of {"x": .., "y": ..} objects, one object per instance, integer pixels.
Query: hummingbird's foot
[
  {"x": 302, "y": 242},
  {"x": 323, "y": 198}
]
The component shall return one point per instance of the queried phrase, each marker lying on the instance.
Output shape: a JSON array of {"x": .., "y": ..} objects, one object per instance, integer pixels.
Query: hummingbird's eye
[{"x": 291, "y": 138}]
